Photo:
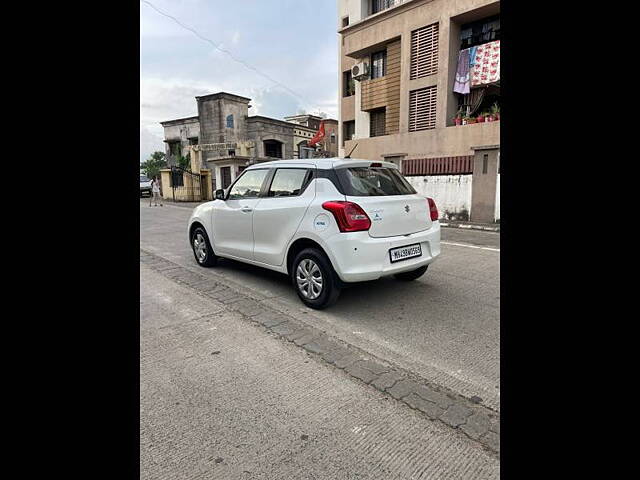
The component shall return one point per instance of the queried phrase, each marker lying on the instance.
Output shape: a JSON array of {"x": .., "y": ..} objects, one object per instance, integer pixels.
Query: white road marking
[{"x": 470, "y": 246}]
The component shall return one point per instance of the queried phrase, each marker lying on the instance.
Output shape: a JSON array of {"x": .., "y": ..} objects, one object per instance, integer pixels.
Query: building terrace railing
[{"x": 377, "y": 6}]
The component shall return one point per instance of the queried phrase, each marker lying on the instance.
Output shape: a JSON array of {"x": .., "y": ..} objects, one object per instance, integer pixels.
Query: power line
[{"x": 227, "y": 52}]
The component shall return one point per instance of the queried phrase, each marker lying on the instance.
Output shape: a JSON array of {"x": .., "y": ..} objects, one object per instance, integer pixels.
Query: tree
[
  {"x": 153, "y": 165},
  {"x": 185, "y": 162}
]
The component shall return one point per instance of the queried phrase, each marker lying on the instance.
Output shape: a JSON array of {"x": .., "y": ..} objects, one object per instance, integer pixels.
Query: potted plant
[
  {"x": 468, "y": 120},
  {"x": 458, "y": 118},
  {"x": 480, "y": 117},
  {"x": 495, "y": 111},
  {"x": 489, "y": 117}
]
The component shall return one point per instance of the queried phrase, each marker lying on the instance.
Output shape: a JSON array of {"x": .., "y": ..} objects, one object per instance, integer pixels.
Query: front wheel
[
  {"x": 412, "y": 275},
  {"x": 314, "y": 279},
  {"x": 202, "y": 248}
]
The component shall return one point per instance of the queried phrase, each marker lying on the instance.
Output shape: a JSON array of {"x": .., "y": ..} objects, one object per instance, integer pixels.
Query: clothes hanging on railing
[
  {"x": 486, "y": 68},
  {"x": 462, "y": 82},
  {"x": 472, "y": 55}
]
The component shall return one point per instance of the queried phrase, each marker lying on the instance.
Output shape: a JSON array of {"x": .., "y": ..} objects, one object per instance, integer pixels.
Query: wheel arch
[
  {"x": 300, "y": 244},
  {"x": 195, "y": 224},
  {"x": 198, "y": 222}
]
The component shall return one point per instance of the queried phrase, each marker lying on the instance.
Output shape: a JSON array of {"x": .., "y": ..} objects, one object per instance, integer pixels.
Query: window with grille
[
  {"x": 377, "y": 120},
  {"x": 273, "y": 148},
  {"x": 380, "y": 5},
  {"x": 175, "y": 148},
  {"x": 348, "y": 84},
  {"x": 479, "y": 32},
  {"x": 378, "y": 64},
  {"x": 424, "y": 51},
  {"x": 349, "y": 128},
  {"x": 422, "y": 109}
]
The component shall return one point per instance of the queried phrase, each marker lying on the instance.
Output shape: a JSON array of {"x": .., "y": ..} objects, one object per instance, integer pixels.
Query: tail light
[
  {"x": 349, "y": 216},
  {"x": 433, "y": 210}
]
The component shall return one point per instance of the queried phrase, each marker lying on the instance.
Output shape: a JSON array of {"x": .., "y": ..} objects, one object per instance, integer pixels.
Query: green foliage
[
  {"x": 153, "y": 165},
  {"x": 185, "y": 162}
]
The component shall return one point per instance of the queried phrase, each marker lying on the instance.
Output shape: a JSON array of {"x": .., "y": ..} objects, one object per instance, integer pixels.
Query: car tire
[
  {"x": 202, "y": 250},
  {"x": 312, "y": 296},
  {"x": 412, "y": 275}
]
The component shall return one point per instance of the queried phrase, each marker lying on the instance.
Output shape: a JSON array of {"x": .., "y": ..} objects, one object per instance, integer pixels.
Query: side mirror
[{"x": 220, "y": 194}]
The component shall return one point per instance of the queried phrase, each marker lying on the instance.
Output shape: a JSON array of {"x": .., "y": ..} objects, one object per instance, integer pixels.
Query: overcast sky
[{"x": 292, "y": 41}]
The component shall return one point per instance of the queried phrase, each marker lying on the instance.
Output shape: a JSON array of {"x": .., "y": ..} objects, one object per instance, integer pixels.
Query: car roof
[{"x": 323, "y": 163}]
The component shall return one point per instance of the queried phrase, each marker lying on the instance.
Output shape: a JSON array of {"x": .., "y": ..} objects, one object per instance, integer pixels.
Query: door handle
[{"x": 246, "y": 209}]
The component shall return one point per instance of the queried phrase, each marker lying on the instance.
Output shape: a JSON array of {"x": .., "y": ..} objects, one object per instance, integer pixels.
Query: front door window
[{"x": 248, "y": 185}]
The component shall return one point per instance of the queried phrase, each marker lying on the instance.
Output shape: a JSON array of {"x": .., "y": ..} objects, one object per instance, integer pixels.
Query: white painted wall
[
  {"x": 451, "y": 193},
  {"x": 362, "y": 129},
  {"x": 356, "y": 9},
  {"x": 497, "y": 214}
]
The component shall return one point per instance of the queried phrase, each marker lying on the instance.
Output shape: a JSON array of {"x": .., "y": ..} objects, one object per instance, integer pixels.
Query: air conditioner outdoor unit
[{"x": 360, "y": 71}]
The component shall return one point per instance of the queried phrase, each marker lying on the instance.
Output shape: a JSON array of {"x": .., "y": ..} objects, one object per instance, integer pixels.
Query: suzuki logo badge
[{"x": 406, "y": 208}]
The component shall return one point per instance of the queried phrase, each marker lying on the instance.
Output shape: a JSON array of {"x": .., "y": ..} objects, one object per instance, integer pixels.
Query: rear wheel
[
  {"x": 412, "y": 275},
  {"x": 202, "y": 249},
  {"x": 314, "y": 279}
]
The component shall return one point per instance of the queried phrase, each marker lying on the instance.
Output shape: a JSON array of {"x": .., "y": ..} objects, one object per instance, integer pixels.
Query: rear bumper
[{"x": 357, "y": 257}]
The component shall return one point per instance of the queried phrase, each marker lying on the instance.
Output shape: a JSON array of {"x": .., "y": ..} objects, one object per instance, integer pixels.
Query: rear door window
[
  {"x": 376, "y": 181},
  {"x": 289, "y": 182}
]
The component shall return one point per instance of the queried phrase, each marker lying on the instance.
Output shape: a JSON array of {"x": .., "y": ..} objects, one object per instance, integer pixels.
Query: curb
[
  {"x": 470, "y": 226},
  {"x": 180, "y": 204},
  {"x": 467, "y": 416}
]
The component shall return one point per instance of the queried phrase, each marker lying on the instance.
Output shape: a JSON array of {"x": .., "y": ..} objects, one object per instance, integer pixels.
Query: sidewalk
[
  {"x": 490, "y": 227},
  {"x": 169, "y": 201}
]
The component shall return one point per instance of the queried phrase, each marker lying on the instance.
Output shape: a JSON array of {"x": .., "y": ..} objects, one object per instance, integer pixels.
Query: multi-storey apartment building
[{"x": 415, "y": 74}]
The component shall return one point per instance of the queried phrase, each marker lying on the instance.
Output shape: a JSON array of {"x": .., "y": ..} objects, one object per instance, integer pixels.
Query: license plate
[{"x": 404, "y": 253}]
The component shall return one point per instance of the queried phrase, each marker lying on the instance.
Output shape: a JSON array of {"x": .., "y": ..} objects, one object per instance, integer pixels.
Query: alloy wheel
[
  {"x": 200, "y": 247},
  {"x": 309, "y": 279}
]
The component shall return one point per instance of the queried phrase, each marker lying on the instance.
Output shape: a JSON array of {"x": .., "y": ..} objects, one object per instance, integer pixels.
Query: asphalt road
[
  {"x": 444, "y": 326},
  {"x": 222, "y": 399}
]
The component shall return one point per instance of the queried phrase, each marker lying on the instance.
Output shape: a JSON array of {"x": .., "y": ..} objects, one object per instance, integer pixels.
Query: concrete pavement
[
  {"x": 220, "y": 398},
  {"x": 444, "y": 327}
]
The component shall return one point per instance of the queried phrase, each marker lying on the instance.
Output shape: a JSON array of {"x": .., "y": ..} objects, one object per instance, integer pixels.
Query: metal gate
[{"x": 186, "y": 186}]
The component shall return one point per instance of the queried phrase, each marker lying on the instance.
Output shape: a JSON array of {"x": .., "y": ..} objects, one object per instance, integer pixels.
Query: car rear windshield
[
  {"x": 143, "y": 179},
  {"x": 373, "y": 181}
]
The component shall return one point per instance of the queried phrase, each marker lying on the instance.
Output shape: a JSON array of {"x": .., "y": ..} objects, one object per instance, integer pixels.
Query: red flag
[{"x": 318, "y": 136}]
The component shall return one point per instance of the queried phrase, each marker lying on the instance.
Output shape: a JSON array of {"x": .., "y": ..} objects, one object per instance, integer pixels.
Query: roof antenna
[{"x": 349, "y": 156}]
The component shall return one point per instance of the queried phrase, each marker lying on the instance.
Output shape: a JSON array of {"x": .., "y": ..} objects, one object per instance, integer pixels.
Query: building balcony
[{"x": 378, "y": 6}]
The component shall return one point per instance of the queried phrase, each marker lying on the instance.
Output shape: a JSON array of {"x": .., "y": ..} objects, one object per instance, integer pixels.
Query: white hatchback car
[{"x": 324, "y": 222}]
